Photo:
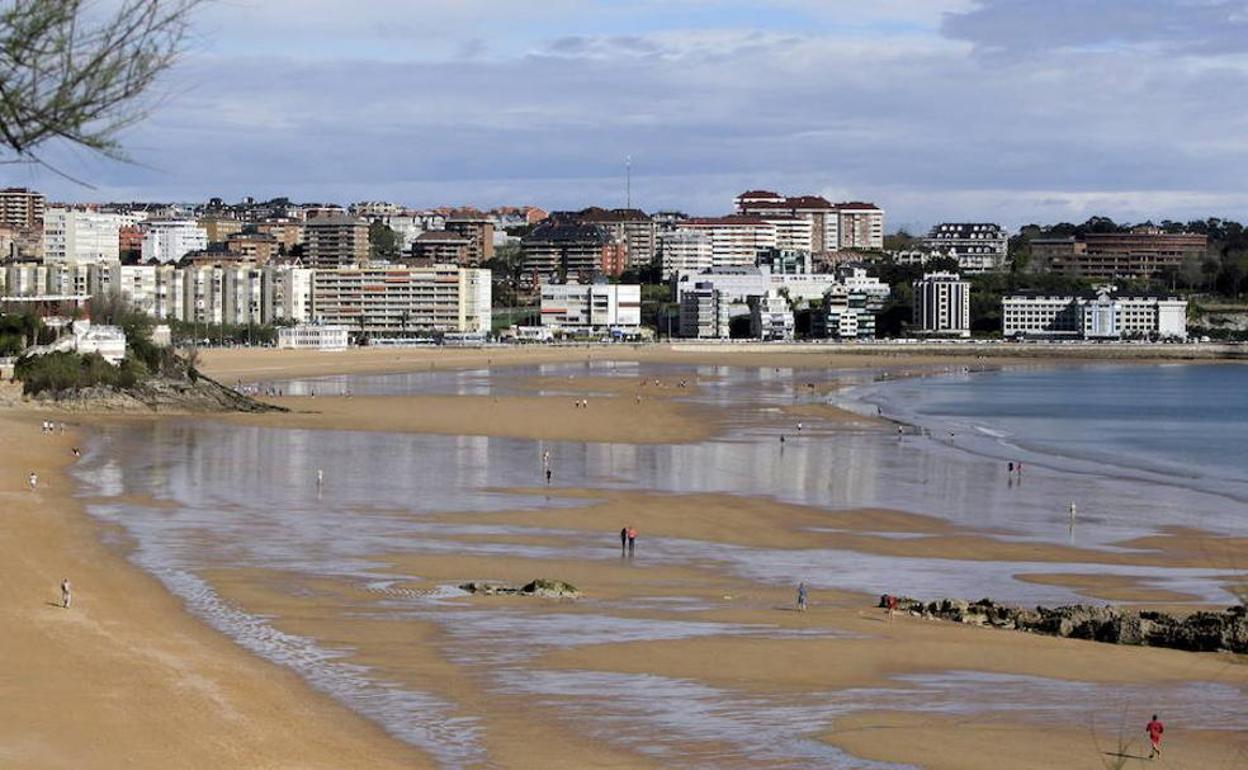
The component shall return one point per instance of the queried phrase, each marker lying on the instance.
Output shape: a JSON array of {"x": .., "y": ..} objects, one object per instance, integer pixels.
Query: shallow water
[{"x": 230, "y": 497}]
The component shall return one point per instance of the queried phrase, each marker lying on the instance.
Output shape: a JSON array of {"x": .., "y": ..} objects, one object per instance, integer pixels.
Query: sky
[{"x": 1011, "y": 111}]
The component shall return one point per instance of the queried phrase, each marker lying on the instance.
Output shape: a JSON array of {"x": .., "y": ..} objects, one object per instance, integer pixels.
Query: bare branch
[{"x": 64, "y": 75}]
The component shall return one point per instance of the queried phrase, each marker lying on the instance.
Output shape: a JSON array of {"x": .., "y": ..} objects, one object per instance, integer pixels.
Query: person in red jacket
[{"x": 1155, "y": 729}]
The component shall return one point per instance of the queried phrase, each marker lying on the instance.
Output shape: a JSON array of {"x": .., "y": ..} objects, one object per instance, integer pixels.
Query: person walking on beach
[
  {"x": 33, "y": 480},
  {"x": 320, "y": 478},
  {"x": 801, "y": 597},
  {"x": 1011, "y": 467},
  {"x": 1154, "y": 729},
  {"x": 548, "y": 475},
  {"x": 632, "y": 541},
  {"x": 66, "y": 598},
  {"x": 623, "y": 540},
  {"x": 1072, "y": 511}
]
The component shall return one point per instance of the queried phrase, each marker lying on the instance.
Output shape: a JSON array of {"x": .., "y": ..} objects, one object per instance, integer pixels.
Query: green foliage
[
  {"x": 61, "y": 372},
  {"x": 17, "y": 331},
  {"x": 188, "y": 333},
  {"x": 383, "y": 243},
  {"x": 901, "y": 240},
  {"x": 658, "y": 309}
]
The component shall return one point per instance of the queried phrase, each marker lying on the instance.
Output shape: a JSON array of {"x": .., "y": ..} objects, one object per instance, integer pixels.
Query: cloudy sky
[{"x": 1005, "y": 110}]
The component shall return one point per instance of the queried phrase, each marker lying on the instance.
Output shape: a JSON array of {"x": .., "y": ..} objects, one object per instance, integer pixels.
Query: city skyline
[{"x": 937, "y": 111}]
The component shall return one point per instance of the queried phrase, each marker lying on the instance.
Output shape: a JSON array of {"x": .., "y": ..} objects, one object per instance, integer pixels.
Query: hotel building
[{"x": 1105, "y": 314}]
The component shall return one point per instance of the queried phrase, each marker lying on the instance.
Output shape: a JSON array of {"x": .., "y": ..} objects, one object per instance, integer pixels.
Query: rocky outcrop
[
  {"x": 543, "y": 588},
  {"x": 1203, "y": 631},
  {"x": 158, "y": 394}
]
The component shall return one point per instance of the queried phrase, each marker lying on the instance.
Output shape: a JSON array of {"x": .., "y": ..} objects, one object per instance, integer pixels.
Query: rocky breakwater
[
  {"x": 542, "y": 588},
  {"x": 1203, "y": 631}
]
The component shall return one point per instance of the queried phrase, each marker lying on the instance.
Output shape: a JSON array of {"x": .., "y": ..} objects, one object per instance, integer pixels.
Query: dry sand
[{"x": 616, "y": 420}]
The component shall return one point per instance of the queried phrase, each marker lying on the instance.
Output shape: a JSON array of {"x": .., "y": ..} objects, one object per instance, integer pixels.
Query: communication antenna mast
[{"x": 628, "y": 181}]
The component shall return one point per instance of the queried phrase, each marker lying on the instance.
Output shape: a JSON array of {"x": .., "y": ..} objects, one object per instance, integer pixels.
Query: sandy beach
[{"x": 126, "y": 678}]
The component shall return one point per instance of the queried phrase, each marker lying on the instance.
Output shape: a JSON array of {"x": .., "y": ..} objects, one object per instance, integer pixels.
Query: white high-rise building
[
  {"x": 942, "y": 305},
  {"x": 595, "y": 307},
  {"x": 74, "y": 236},
  {"x": 391, "y": 302},
  {"x": 168, "y": 240},
  {"x": 735, "y": 240},
  {"x": 685, "y": 251}
]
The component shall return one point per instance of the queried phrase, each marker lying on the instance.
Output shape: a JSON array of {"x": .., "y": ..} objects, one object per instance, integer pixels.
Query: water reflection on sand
[{"x": 246, "y": 497}]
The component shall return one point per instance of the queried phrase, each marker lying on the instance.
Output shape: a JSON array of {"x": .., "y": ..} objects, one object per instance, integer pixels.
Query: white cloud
[{"x": 917, "y": 122}]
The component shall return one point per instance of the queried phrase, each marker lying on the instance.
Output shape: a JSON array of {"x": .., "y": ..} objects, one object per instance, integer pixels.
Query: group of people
[
  {"x": 581, "y": 403},
  {"x": 628, "y": 541},
  {"x": 50, "y": 427}
]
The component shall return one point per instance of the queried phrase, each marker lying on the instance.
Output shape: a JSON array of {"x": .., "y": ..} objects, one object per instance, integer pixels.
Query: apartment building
[
  {"x": 22, "y": 209},
  {"x": 703, "y": 313},
  {"x": 593, "y": 308},
  {"x": 1142, "y": 253},
  {"x": 259, "y": 248},
  {"x": 556, "y": 249},
  {"x": 334, "y": 240},
  {"x": 72, "y": 235},
  {"x": 736, "y": 239},
  {"x": 480, "y": 234},
  {"x": 375, "y": 209},
  {"x": 785, "y": 261},
  {"x": 834, "y": 227},
  {"x": 1105, "y": 314},
  {"x": 220, "y": 228},
  {"x": 441, "y": 247},
  {"x": 771, "y": 317},
  {"x": 979, "y": 247},
  {"x": 860, "y": 226},
  {"x": 942, "y": 305},
  {"x": 812, "y": 208},
  {"x": 684, "y": 251},
  {"x": 395, "y": 302},
  {"x": 288, "y": 232},
  {"x": 846, "y": 314},
  {"x": 632, "y": 227},
  {"x": 169, "y": 240},
  {"x": 855, "y": 278},
  {"x": 737, "y": 284}
]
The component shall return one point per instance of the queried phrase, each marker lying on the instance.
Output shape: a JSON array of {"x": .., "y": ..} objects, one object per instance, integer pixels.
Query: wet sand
[
  {"x": 125, "y": 678},
  {"x": 147, "y": 685},
  {"x": 229, "y": 365}
]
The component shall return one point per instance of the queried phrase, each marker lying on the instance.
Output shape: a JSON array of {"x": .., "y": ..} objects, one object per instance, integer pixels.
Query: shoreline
[{"x": 127, "y": 666}]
